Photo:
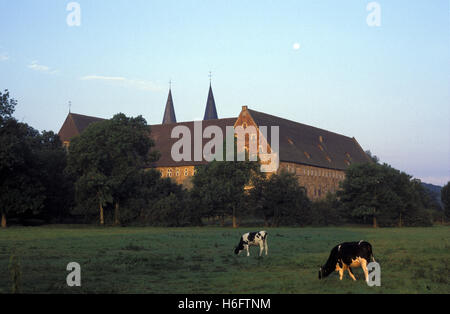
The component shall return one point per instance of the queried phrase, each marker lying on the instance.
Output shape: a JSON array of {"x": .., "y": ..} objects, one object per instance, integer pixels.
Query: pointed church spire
[
  {"x": 169, "y": 113},
  {"x": 210, "y": 112}
]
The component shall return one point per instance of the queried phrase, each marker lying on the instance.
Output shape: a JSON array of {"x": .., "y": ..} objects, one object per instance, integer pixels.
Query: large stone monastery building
[{"x": 318, "y": 157}]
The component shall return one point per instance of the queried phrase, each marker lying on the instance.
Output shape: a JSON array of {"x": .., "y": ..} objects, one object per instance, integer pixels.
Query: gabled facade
[
  {"x": 74, "y": 125},
  {"x": 317, "y": 157}
]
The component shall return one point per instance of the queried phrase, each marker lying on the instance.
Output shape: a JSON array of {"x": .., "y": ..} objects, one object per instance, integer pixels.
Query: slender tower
[
  {"x": 169, "y": 113},
  {"x": 210, "y": 112}
]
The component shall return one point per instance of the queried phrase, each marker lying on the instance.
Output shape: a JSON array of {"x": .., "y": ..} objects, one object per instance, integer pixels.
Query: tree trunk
[
  {"x": 102, "y": 219},
  {"x": 116, "y": 215},
  {"x": 3, "y": 220},
  {"x": 400, "y": 223},
  {"x": 375, "y": 222}
]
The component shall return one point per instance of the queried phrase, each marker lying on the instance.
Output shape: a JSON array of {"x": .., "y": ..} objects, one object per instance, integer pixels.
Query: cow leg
[
  {"x": 248, "y": 251},
  {"x": 364, "y": 267},
  {"x": 261, "y": 248},
  {"x": 341, "y": 273},
  {"x": 351, "y": 273},
  {"x": 267, "y": 247}
]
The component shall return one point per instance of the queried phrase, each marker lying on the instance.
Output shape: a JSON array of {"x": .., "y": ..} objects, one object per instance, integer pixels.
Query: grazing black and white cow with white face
[
  {"x": 253, "y": 239},
  {"x": 347, "y": 255}
]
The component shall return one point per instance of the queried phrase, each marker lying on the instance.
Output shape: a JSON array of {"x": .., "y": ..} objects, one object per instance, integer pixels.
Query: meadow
[{"x": 201, "y": 260}]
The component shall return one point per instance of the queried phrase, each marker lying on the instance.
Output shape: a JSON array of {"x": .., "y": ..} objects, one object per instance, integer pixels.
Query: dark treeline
[
  {"x": 33, "y": 184},
  {"x": 104, "y": 178}
]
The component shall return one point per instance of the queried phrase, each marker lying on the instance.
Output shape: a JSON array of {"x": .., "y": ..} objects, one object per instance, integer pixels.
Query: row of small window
[
  {"x": 318, "y": 173},
  {"x": 176, "y": 173}
]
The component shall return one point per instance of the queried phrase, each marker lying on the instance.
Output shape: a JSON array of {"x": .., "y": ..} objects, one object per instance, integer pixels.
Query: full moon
[{"x": 296, "y": 46}]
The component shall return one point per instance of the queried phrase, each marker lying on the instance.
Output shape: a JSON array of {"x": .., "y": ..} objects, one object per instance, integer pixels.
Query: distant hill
[{"x": 434, "y": 192}]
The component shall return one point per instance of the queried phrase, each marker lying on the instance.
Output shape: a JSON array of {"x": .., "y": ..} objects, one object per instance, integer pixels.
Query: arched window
[
  {"x": 169, "y": 172},
  {"x": 186, "y": 172}
]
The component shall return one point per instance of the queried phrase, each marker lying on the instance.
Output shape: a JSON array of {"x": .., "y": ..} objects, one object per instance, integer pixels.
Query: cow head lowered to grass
[
  {"x": 252, "y": 239},
  {"x": 347, "y": 255}
]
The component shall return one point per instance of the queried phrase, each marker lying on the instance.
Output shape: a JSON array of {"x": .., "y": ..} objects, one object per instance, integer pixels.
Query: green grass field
[{"x": 201, "y": 260}]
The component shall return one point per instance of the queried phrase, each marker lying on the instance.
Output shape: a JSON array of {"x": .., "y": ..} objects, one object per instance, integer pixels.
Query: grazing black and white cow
[
  {"x": 347, "y": 255},
  {"x": 253, "y": 239}
]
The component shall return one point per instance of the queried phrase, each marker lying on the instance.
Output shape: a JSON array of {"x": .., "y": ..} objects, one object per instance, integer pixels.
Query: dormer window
[
  {"x": 321, "y": 139},
  {"x": 307, "y": 155}
]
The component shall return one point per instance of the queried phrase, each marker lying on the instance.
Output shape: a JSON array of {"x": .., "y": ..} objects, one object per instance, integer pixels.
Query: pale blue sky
[{"x": 388, "y": 86}]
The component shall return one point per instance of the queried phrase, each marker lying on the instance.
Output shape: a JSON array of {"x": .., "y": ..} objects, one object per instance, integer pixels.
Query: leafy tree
[
  {"x": 382, "y": 194},
  {"x": 104, "y": 158},
  {"x": 326, "y": 211},
  {"x": 374, "y": 158},
  {"x": 157, "y": 202},
  {"x": 7, "y": 106},
  {"x": 280, "y": 200},
  {"x": 52, "y": 160},
  {"x": 20, "y": 188},
  {"x": 445, "y": 197},
  {"x": 219, "y": 187}
]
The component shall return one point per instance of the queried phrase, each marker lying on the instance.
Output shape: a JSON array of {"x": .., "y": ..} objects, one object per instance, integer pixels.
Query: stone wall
[{"x": 317, "y": 181}]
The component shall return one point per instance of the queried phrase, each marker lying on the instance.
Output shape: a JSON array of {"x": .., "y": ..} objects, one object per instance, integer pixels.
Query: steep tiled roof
[
  {"x": 304, "y": 144},
  {"x": 299, "y": 143},
  {"x": 75, "y": 125},
  {"x": 161, "y": 135}
]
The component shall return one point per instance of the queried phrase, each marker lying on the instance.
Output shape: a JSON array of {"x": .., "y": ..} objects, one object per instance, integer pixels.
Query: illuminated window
[
  {"x": 321, "y": 139},
  {"x": 169, "y": 172},
  {"x": 307, "y": 155},
  {"x": 178, "y": 172},
  {"x": 290, "y": 141},
  {"x": 186, "y": 172}
]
